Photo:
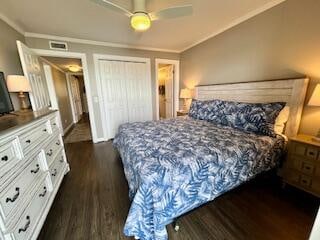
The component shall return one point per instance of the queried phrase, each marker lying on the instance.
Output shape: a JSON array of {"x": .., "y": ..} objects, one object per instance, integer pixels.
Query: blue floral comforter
[{"x": 173, "y": 166}]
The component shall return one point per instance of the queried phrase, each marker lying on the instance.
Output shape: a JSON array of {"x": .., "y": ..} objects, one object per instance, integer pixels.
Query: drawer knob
[
  {"x": 311, "y": 153},
  {"x": 26, "y": 226},
  {"x": 50, "y": 153},
  {"x": 58, "y": 143},
  {"x": 44, "y": 130},
  {"x": 28, "y": 141},
  {"x": 4, "y": 158},
  {"x": 14, "y": 198},
  {"x": 36, "y": 170},
  {"x": 44, "y": 192},
  {"x": 61, "y": 160},
  {"x": 54, "y": 173},
  {"x": 54, "y": 124}
]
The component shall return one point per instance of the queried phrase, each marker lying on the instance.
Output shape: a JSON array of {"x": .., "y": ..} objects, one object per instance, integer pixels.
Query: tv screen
[{"x": 5, "y": 100}]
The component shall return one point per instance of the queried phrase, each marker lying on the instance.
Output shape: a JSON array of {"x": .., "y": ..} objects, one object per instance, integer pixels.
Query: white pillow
[{"x": 281, "y": 120}]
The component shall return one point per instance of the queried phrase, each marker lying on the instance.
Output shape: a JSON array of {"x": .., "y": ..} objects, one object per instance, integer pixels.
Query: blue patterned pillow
[{"x": 251, "y": 117}]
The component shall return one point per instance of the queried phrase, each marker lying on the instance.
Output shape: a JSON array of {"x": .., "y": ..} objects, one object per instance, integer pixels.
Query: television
[{"x": 5, "y": 100}]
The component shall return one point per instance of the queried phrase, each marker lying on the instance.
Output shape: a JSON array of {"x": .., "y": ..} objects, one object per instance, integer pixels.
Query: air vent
[{"x": 58, "y": 45}]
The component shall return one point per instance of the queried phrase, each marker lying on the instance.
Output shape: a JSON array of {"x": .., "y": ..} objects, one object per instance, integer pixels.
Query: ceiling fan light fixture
[{"x": 140, "y": 21}]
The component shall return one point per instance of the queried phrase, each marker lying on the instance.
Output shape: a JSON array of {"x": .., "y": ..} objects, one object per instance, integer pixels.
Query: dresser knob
[
  {"x": 36, "y": 170},
  {"x": 50, "y": 153},
  {"x": 14, "y": 198},
  {"x": 4, "y": 158},
  {"x": 44, "y": 192},
  {"x": 58, "y": 143},
  {"x": 28, "y": 141},
  {"x": 54, "y": 173},
  {"x": 26, "y": 226},
  {"x": 44, "y": 130}
]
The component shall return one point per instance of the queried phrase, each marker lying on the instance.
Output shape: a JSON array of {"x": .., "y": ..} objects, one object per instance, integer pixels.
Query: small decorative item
[
  {"x": 185, "y": 94},
  {"x": 315, "y": 102},
  {"x": 19, "y": 84}
]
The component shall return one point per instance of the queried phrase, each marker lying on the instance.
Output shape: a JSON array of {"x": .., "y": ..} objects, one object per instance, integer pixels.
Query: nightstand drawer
[
  {"x": 312, "y": 152},
  {"x": 299, "y": 149},
  {"x": 305, "y": 181},
  {"x": 307, "y": 168}
]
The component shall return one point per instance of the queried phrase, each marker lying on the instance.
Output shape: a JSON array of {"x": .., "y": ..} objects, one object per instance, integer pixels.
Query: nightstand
[
  {"x": 182, "y": 113},
  {"x": 302, "y": 165}
]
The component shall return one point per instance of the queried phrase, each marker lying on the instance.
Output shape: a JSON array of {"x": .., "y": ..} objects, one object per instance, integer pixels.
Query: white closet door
[
  {"x": 113, "y": 83},
  {"x": 126, "y": 92},
  {"x": 138, "y": 88},
  {"x": 33, "y": 71}
]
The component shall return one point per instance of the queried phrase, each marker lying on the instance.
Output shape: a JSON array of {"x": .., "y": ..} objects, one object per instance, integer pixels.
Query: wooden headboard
[{"x": 291, "y": 91}]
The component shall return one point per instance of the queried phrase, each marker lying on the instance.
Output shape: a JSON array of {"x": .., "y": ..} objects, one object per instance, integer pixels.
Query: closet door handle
[
  {"x": 36, "y": 170},
  {"x": 26, "y": 226},
  {"x": 14, "y": 198},
  {"x": 44, "y": 193},
  {"x": 4, "y": 158}
]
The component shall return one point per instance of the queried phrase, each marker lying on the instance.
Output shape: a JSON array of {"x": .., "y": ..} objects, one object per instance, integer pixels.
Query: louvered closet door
[
  {"x": 126, "y": 91},
  {"x": 138, "y": 92},
  {"x": 113, "y": 83}
]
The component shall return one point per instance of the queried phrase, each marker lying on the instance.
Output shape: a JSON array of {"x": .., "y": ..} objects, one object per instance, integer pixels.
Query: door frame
[
  {"x": 83, "y": 57},
  {"x": 96, "y": 58},
  {"x": 176, "y": 82}
]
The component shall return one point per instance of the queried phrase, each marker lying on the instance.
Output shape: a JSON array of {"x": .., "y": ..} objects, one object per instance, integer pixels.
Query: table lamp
[
  {"x": 19, "y": 84},
  {"x": 315, "y": 102},
  {"x": 185, "y": 94}
]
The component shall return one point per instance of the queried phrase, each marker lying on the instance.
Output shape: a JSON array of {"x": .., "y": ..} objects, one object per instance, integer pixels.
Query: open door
[
  {"x": 33, "y": 71},
  {"x": 76, "y": 98},
  {"x": 169, "y": 90}
]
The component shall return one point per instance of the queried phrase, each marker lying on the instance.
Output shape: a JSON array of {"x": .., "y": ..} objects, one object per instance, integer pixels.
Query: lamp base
[{"x": 23, "y": 101}]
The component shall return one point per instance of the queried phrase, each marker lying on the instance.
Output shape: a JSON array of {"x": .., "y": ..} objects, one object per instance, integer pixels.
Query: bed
[{"x": 176, "y": 165}]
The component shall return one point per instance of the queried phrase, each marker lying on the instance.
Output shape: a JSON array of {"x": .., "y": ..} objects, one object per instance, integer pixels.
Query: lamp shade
[
  {"x": 17, "y": 83},
  {"x": 185, "y": 93},
  {"x": 315, "y": 98}
]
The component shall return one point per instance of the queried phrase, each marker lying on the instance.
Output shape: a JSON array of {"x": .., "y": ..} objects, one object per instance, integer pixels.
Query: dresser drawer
[
  {"x": 55, "y": 124},
  {"x": 52, "y": 149},
  {"x": 305, "y": 181},
  {"x": 10, "y": 155},
  {"x": 57, "y": 168},
  {"x": 17, "y": 190},
  {"x": 31, "y": 139},
  {"x": 307, "y": 168},
  {"x": 31, "y": 215}
]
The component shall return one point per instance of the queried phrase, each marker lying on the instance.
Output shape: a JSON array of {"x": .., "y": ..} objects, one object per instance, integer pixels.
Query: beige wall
[
  {"x": 89, "y": 50},
  {"x": 9, "y": 58},
  {"x": 60, "y": 84},
  {"x": 282, "y": 42}
]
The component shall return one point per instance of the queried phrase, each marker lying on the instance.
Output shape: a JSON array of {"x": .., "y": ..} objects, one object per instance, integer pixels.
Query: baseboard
[{"x": 68, "y": 129}]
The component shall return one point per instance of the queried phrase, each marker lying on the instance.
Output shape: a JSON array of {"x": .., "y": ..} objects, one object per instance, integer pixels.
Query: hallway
[{"x": 81, "y": 131}]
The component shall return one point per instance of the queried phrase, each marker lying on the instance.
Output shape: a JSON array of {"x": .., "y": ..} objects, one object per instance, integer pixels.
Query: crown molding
[
  {"x": 236, "y": 22},
  {"x": 12, "y": 24},
  {"x": 97, "y": 43}
]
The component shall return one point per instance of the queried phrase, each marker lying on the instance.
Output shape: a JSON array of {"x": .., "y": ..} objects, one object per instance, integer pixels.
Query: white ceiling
[{"x": 84, "y": 19}]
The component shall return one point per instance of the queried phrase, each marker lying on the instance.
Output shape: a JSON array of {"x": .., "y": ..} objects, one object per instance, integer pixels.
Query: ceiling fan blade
[
  {"x": 113, "y": 6},
  {"x": 172, "y": 12}
]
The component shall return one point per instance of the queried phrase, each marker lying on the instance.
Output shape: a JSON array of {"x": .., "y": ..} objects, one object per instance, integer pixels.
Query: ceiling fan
[{"x": 140, "y": 18}]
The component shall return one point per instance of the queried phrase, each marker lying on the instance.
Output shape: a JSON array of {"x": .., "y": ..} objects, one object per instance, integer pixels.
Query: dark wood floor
[{"x": 93, "y": 204}]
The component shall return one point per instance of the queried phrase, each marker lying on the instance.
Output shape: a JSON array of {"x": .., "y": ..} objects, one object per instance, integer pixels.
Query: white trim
[
  {"x": 12, "y": 24},
  {"x": 67, "y": 128},
  {"x": 235, "y": 22},
  {"x": 176, "y": 83},
  {"x": 96, "y": 58},
  {"x": 82, "y": 56},
  {"x": 97, "y": 43}
]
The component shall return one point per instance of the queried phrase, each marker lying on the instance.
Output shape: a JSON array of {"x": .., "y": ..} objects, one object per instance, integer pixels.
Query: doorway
[
  {"x": 167, "y": 88},
  {"x": 68, "y": 94}
]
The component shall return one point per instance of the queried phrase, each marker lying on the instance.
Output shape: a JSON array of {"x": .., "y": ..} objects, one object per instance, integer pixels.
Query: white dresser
[{"x": 32, "y": 166}]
